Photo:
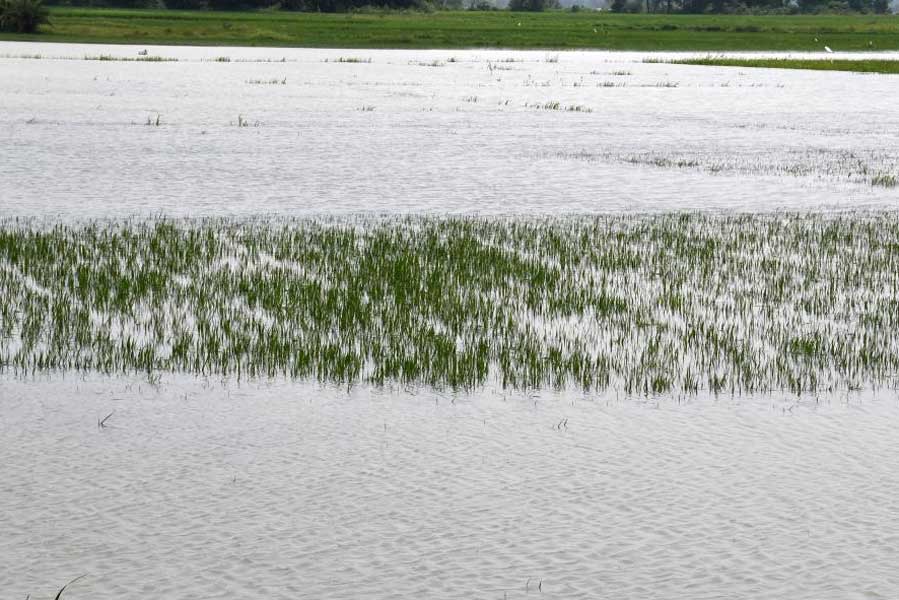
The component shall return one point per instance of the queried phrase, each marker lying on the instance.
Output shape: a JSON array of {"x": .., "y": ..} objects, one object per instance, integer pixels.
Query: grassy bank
[
  {"x": 856, "y": 66},
  {"x": 648, "y": 304},
  {"x": 473, "y": 30}
]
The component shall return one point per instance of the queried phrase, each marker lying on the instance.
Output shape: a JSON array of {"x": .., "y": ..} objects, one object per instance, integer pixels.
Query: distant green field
[
  {"x": 499, "y": 29},
  {"x": 857, "y": 66}
]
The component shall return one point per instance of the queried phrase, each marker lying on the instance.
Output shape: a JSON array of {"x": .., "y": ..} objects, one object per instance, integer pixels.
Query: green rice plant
[
  {"x": 652, "y": 304},
  {"x": 349, "y": 60},
  {"x": 886, "y": 180}
]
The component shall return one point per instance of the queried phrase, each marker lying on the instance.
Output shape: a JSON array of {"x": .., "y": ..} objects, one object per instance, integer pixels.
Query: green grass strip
[
  {"x": 467, "y": 29},
  {"x": 856, "y": 66}
]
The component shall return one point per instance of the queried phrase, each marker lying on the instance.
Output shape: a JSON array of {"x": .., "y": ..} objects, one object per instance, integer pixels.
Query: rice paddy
[{"x": 672, "y": 303}]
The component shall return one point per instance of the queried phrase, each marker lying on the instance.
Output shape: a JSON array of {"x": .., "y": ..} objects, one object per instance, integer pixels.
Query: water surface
[{"x": 431, "y": 131}]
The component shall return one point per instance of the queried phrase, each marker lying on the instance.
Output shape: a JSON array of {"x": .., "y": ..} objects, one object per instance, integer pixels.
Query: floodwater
[
  {"x": 431, "y": 131},
  {"x": 202, "y": 490},
  {"x": 211, "y": 489}
]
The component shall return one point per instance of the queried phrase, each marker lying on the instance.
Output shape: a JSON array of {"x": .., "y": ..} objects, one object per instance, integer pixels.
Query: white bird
[{"x": 828, "y": 50}]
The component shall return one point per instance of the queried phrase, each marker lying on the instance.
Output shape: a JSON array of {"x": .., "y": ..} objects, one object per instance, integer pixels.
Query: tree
[
  {"x": 22, "y": 16},
  {"x": 532, "y": 5}
]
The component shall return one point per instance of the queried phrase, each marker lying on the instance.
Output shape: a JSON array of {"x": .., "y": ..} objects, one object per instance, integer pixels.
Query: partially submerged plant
[{"x": 649, "y": 304}]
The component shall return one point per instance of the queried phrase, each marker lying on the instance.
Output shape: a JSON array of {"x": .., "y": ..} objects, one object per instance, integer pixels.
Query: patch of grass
[
  {"x": 470, "y": 29},
  {"x": 857, "y": 66}
]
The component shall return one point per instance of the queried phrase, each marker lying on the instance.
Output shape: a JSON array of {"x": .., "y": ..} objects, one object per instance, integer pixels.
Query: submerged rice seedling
[
  {"x": 649, "y": 304},
  {"x": 63, "y": 588},
  {"x": 349, "y": 59},
  {"x": 144, "y": 58},
  {"x": 244, "y": 122},
  {"x": 552, "y": 105},
  {"x": 885, "y": 180},
  {"x": 273, "y": 81}
]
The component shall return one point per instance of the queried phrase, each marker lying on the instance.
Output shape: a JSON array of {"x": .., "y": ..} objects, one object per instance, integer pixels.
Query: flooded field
[
  {"x": 445, "y": 324},
  {"x": 646, "y": 304},
  {"x": 213, "y": 131}
]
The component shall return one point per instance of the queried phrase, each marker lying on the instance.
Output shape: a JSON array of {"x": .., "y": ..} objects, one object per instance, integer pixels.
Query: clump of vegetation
[
  {"x": 875, "y": 168},
  {"x": 22, "y": 16},
  {"x": 553, "y": 105},
  {"x": 349, "y": 60},
  {"x": 885, "y": 180},
  {"x": 648, "y": 304},
  {"x": 432, "y": 63},
  {"x": 109, "y": 57}
]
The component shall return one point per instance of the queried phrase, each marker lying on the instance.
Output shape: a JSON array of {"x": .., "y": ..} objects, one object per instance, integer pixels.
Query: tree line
[{"x": 752, "y": 6}]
